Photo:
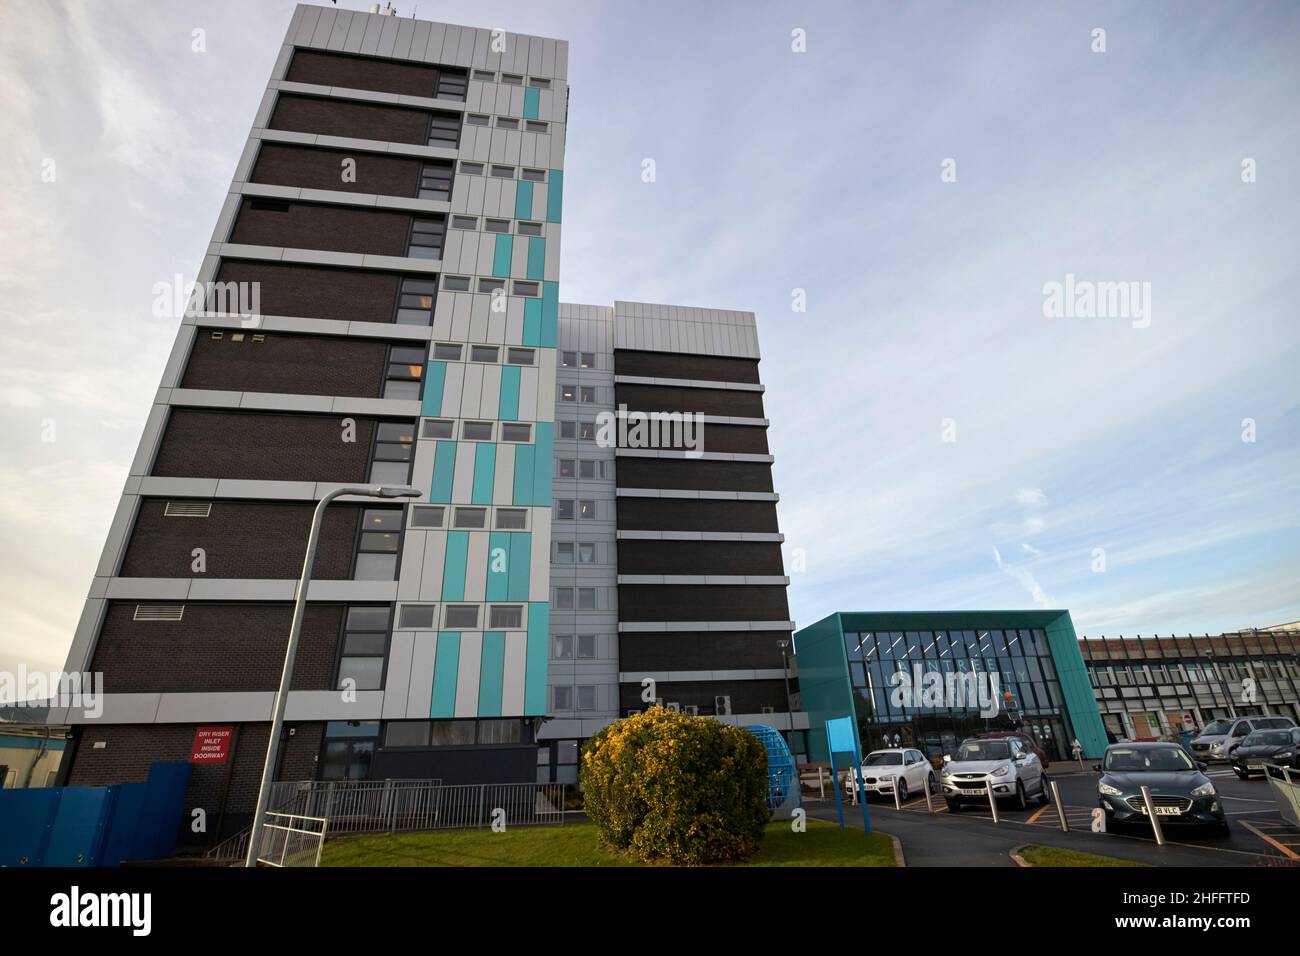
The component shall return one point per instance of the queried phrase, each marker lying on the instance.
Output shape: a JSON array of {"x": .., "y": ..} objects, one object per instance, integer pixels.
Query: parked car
[
  {"x": 1281, "y": 747},
  {"x": 1014, "y": 770},
  {"x": 1024, "y": 738},
  {"x": 1181, "y": 793},
  {"x": 1219, "y": 739},
  {"x": 903, "y": 767}
]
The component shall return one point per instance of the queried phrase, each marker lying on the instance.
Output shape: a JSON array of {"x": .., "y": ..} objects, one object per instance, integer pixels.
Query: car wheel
[
  {"x": 1044, "y": 793},
  {"x": 1240, "y": 775},
  {"x": 1222, "y": 829},
  {"x": 1021, "y": 802},
  {"x": 954, "y": 806},
  {"x": 901, "y": 784},
  {"x": 934, "y": 785}
]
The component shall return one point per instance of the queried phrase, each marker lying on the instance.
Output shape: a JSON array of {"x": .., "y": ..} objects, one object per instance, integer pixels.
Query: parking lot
[{"x": 970, "y": 838}]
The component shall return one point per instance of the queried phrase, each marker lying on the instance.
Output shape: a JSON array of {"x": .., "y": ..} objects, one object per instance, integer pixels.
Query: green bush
[{"x": 665, "y": 787}]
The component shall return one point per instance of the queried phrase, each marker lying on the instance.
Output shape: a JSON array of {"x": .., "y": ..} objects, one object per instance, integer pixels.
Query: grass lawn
[
  {"x": 1056, "y": 856},
  {"x": 575, "y": 845}
]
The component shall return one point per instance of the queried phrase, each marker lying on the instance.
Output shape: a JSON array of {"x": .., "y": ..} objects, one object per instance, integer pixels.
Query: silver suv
[
  {"x": 1014, "y": 771},
  {"x": 1219, "y": 739}
]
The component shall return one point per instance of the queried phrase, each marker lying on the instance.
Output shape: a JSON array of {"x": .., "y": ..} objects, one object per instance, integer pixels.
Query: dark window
[
  {"x": 426, "y": 239},
  {"x": 511, "y": 616},
  {"x": 415, "y": 303},
  {"x": 364, "y": 647},
  {"x": 444, "y": 130},
  {"x": 405, "y": 372},
  {"x": 451, "y": 85},
  {"x": 381, "y": 537},
  {"x": 516, "y": 431},
  {"x": 512, "y": 519},
  {"x": 435, "y": 181},
  {"x": 391, "y": 462}
]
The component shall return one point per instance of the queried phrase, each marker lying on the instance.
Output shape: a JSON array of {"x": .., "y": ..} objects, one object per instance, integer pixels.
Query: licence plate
[
  {"x": 1254, "y": 765},
  {"x": 975, "y": 793},
  {"x": 1164, "y": 811}
]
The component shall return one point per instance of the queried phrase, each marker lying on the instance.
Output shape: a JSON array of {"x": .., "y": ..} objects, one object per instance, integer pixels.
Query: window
[
  {"x": 587, "y": 393},
  {"x": 586, "y": 509},
  {"x": 451, "y": 85},
  {"x": 562, "y": 698},
  {"x": 586, "y": 431},
  {"x": 381, "y": 533},
  {"x": 586, "y": 552},
  {"x": 512, "y": 519},
  {"x": 563, "y": 599},
  {"x": 527, "y": 288},
  {"x": 534, "y": 175},
  {"x": 427, "y": 516},
  {"x": 586, "y": 697},
  {"x": 461, "y": 615},
  {"x": 470, "y": 518},
  {"x": 564, "y": 552},
  {"x": 513, "y": 431},
  {"x": 446, "y": 352},
  {"x": 520, "y": 356},
  {"x": 472, "y": 169},
  {"x": 483, "y": 353},
  {"x": 487, "y": 76},
  {"x": 568, "y": 359},
  {"x": 444, "y": 130},
  {"x": 451, "y": 733},
  {"x": 529, "y": 229},
  {"x": 568, "y": 393},
  {"x": 538, "y": 82},
  {"x": 588, "y": 468},
  {"x": 415, "y": 302},
  {"x": 436, "y": 428},
  {"x": 475, "y": 119},
  {"x": 509, "y": 616},
  {"x": 496, "y": 225},
  {"x": 566, "y": 468},
  {"x": 426, "y": 239},
  {"x": 476, "y": 431},
  {"x": 586, "y": 599},
  {"x": 510, "y": 79},
  {"x": 365, "y": 643},
  {"x": 455, "y": 283},
  {"x": 564, "y": 509},
  {"x": 406, "y": 733},
  {"x": 391, "y": 462},
  {"x": 417, "y": 615},
  {"x": 491, "y": 285},
  {"x": 405, "y": 372},
  {"x": 505, "y": 122},
  {"x": 586, "y": 647},
  {"x": 535, "y": 126},
  {"x": 503, "y": 172},
  {"x": 563, "y": 648},
  {"x": 435, "y": 181},
  {"x": 464, "y": 222},
  {"x": 586, "y": 360},
  {"x": 568, "y": 429}
]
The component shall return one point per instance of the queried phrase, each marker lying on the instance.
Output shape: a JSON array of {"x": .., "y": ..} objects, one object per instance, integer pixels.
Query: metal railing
[{"x": 291, "y": 839}]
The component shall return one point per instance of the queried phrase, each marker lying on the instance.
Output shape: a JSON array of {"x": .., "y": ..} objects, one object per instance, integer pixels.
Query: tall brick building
[{"x": 380, "y": 304}]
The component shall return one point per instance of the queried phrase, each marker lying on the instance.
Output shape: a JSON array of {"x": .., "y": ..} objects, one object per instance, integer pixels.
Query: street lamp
[
  {"x": 295, "y": 629},
  {"x": 789, "y": 702}
]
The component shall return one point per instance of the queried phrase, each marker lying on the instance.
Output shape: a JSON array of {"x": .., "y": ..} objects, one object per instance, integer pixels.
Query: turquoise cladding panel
[
  {"x": 498, "y": 569},
  {"x": 532, "y": 102},
  {"x": 535, "y": 655},
  {"x": 444, "y": 471},
  {"x": 435, "y": 379},
  {"x": 453, "y": 569},
  {"x": 1076, "y": 688},
  {"x": 501, "y": 257},
  {"x": 554, "y": 194},
  {"x": 491, "y": 673},
  {"x": 532, "y": 334},
  {"x": 536, "y": 258},
  {"x": 824, "y": 685},
  {"x": 446, "y": 665},
  {"x": 485, "y": 466},
  {"x": 520, "y": 565},
  {"x": 509, "y": 405},
  {"x": 524, "y": 199}
]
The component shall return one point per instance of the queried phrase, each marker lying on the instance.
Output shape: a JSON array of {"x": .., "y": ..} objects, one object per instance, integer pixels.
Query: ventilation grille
[
  {"x": 188, "y": 509},
  {"x": 159, "y": 612}
]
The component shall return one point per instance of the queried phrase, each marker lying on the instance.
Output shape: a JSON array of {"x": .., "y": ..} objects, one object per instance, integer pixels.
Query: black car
[
  {"x": 1281, "y": 747},
  {"x": 1181, "y": 793}
]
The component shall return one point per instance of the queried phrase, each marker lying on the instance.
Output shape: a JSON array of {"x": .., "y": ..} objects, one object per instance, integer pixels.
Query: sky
[{"x": 917, "y": 174}]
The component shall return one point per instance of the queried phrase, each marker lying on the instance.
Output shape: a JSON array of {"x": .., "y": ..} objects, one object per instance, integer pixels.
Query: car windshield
[
  {"x": 1266, "y": 738},
  {"x": 983, "y": 750},
  {"x": 883, "y": 759},
  {"x": 1273, "y": 722},
  {"x": 1217, "y": 728},
  {"x": 1138, "y": 760}
]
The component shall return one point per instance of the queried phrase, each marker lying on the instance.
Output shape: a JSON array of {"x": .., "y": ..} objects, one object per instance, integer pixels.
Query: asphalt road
[{"x": 970, "y": 838}]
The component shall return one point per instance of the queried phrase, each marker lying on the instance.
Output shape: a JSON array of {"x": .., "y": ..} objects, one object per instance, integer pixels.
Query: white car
[
  {"x": 1012, "y": 768},
  {"x": 903, "y": 767}
]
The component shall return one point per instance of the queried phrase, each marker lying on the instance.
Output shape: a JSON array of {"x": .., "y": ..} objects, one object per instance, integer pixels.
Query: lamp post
[
  {"x": 789, "y": 703},
  {"x": 295, "y": 629}
]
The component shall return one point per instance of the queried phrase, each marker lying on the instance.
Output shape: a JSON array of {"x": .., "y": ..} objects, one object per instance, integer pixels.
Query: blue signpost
[{"x": 842, "y": 737}]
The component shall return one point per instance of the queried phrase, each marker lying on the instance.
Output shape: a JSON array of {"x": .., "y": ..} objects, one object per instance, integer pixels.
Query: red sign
[{"x": 211, "y": 744}]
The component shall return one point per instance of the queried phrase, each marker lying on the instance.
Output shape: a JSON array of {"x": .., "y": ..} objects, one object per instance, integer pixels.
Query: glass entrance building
[{"x": 928, "y": 679}]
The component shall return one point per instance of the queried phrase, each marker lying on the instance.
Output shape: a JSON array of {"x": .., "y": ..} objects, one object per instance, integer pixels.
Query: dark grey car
[{"x": 1181, "y": 793}]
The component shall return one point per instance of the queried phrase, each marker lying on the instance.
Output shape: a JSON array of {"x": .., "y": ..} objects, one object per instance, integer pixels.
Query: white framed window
[
  {"x": 512, "y": 519},
  {"x": 506, "y": 616},
  {"x": 461, "y": 616},
  {"x": 428, "y": 516},
  {"x": 418, "y": 615},
  {"x": 437, "y": 428},
  {"x": 516, "y": 431},
  {"x": 470, "y": 518},
  {"x": 476, "y": 431}
]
